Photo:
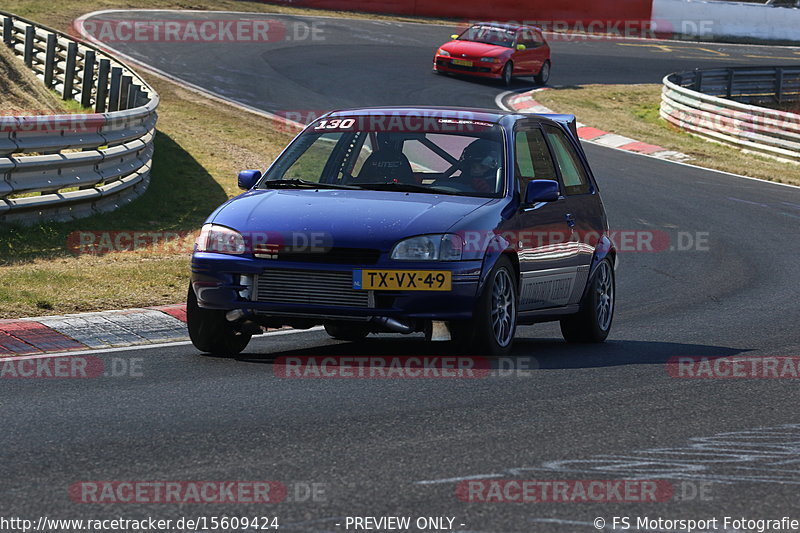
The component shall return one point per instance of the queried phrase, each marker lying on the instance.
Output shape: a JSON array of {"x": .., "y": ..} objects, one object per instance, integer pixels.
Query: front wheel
[
  {"x": 508, "y": 73},
  {"x": 491, "y": 331},
  {"x": 544, "y": 74},
  {"x": 593, "y": 322},
  {"x": 210, "y": 331}
]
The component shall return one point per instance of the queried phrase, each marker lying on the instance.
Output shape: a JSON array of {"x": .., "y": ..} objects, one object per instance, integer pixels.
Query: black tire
[
  {"x": 508, "y": 74},
  {"x": 346, "y": 332},
  {"x": 544, "y": 74},
  {"x": 593, "y": 322},
  {"x": 491, "y": 331},
  {"x": 210, "y": 331}
]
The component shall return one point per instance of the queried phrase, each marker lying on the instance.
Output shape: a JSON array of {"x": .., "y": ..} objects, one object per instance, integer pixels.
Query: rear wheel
[
  {"x": 508, "y": 73},
  {"x": 346, "y": 332},
  {"x": 544, "y": 74},
  {"x": 491, "y": 331},
  {"x": 593, "y": 322},
  {"x": 210, "y": 331}
]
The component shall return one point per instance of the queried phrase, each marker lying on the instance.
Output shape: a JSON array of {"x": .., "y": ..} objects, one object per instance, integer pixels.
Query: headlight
[
  {"x": 443, "y": 52},
  {"x": 445, "y": 247},
  {"x": 489, "y": 59},
  {"x": 214, "y": 238}
]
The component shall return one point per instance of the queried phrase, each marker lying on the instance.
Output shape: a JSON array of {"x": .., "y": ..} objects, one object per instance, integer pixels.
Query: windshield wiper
[
  {"x": 403, "y": 187},
  {"x": 297, "y": 182}
]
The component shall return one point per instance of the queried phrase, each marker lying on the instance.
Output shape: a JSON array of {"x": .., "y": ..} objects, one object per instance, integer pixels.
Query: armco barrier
[
  {"x": 60, "y": 167},
  {"x": 704, "y": 102}
]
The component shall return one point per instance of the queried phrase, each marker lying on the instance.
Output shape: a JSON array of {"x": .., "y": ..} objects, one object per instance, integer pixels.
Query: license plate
[
  {"x": 403, "y": 280},
  {"x": 462, "y": 62}
]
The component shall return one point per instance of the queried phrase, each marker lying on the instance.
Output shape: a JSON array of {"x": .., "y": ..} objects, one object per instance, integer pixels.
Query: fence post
[
  {"x": 779, "y": 85},
  {"x": 88, "y": 78},
  {"x": 731, "y": 74},
  {"x": 698, "y": 80},
  {"x": 8, "y": 31},
  {"x": 113, "y": 95},
  {"x": 102, "y": 86},
  {"x": 28, "y": 54},
  {"x": 124, "y": 87},
  {"x": 69, "y": 71},
  {"x": 49, "y": 60},
  {"x": 133, "y": 95}
]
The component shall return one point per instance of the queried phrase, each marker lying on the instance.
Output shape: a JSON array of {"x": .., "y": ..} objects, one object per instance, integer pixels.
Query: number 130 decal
[{"x": 335, "y": 124}]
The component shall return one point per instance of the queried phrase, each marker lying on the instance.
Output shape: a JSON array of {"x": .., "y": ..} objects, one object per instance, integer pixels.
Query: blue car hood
[{"x": 362, "y": 219}]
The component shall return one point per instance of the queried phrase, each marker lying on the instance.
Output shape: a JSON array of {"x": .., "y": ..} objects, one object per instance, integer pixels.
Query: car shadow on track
[{"x": 529, "y": 353}]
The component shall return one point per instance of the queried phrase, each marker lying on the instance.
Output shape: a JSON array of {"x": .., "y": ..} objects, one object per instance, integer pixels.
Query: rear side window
[
  {"x": 530, "y": 38},
  {"x": 533, "y": 160},
  {"x": 572, "y": 172}
]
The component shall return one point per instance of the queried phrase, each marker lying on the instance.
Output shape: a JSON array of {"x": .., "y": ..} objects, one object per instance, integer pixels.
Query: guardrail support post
[
  {"x": 102, "y": 86},
  {"x": 779, "y": 85},
  {"x": 124, "y": 87},
  {"x": 69, "y": 71},
  {"x": 49, "y": 60},
  {"x": 729, "y": 89},
  {"x": 8, "y": 31},
  {"x": 28, "y": 55},
  {"x": 88, "y": 78},
  {"x": 113, "y": 95},
  {"x": 133, "y": 95},
  {"x": 698, "y": 81}
]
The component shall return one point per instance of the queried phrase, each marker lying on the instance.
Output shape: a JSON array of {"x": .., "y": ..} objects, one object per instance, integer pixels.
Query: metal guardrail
[
  {"x": 719, "y": 105},
  {"x": 61, "y": 167}
]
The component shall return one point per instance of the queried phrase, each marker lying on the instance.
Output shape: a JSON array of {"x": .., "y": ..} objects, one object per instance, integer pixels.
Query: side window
[
  {"x": 572, "y": 172},
  {"x": 532, "y": 160},
  {"x": 530, "y": 38}
]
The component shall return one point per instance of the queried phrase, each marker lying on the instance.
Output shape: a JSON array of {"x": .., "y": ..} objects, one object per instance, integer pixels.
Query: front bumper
[
  {"x": 217, "y": 281},
  {"x": 479, "y": 68}
]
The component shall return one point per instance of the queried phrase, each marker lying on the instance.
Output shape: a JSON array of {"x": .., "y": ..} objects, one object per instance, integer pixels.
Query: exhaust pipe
[
  {"x": 394, "y": 325},
  {"x": 246, "y": 326}
]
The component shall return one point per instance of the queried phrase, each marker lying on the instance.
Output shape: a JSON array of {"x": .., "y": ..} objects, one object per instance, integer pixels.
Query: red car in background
[{"x": 498, "y": 51}]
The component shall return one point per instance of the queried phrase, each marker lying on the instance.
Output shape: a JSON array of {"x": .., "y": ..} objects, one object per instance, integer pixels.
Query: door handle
[{"x": 570, "y": 220}]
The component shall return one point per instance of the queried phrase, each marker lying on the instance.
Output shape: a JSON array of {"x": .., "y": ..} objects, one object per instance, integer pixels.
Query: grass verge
[{"x": 632, "y": 111}]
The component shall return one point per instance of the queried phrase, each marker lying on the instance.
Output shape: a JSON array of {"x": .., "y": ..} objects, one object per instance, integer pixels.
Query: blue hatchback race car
[{"x": 460, "y": 223}]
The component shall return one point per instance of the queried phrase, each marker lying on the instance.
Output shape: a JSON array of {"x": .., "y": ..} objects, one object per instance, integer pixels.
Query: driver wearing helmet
[{"x": 479, "y": 164}]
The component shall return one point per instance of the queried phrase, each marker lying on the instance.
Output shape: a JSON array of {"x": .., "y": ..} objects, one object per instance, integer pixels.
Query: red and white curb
[
  {"x": 525, "y": 103},
  {"x": 107, "y": 329}
]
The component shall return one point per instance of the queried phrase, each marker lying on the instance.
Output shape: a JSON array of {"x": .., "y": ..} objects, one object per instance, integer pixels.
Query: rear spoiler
[{"x": 568, "y": 121}]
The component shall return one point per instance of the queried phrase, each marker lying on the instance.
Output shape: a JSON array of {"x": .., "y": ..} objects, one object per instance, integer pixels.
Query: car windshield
[
  {"x": 453, "y": 154},
  {"x": 489, "y": 35}
]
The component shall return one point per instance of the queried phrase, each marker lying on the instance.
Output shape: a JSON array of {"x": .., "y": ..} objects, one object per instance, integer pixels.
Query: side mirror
[
  {"x": 541, "y": 191},
  {"x": 521, "y": 47},
  {"x": 248, "y": 178},
  {"x": 454, "y": 36}
]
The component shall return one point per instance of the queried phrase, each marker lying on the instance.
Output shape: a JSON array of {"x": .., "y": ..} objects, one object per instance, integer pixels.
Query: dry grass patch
[{"x": 22, "y": 92}]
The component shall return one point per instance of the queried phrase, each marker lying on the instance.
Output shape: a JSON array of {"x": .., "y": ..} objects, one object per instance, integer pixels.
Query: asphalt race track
[{"x": 399, "y": 447}]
